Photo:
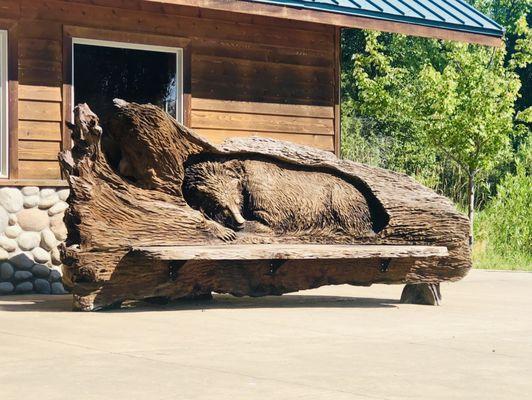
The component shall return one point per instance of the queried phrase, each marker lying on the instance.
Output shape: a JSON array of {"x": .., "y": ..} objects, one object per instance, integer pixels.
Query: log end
[{"x": 422, "y": 293}]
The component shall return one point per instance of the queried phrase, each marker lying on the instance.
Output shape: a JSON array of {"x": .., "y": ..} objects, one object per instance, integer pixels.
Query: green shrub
[
  {"x": 356, "y": 147},
  {"x": 504, "y": 228}
]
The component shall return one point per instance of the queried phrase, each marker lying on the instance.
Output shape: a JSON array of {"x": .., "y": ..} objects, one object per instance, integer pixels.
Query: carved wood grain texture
[
  {"x": 288, "y": 252},
  {"x": 109, "y": 215}
]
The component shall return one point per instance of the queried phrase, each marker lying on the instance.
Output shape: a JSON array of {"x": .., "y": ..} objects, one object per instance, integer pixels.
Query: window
[
  {"x": 4, "y": 128},
  {"x": 105, "y": 70}
]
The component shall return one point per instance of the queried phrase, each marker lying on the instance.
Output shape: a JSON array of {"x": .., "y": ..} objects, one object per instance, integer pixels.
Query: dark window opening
[{"x": 103, "y": 73}]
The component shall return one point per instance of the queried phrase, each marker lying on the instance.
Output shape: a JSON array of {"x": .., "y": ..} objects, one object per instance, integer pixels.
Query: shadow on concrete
[
  {"x": 36, "y": 303},
  {"x": 40, "y": 303}
]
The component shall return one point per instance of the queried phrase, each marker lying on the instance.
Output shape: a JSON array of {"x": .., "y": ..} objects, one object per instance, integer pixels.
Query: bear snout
[{"x": 237, "y": 217}]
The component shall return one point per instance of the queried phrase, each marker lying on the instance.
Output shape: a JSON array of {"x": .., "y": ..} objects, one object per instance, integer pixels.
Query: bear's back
[{"x": 288, "y": 199}]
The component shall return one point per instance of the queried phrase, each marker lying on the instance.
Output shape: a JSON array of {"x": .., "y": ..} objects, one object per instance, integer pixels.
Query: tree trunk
[
  {"x": 471, "y": 204},
  {"x": 139, "y": 202}
]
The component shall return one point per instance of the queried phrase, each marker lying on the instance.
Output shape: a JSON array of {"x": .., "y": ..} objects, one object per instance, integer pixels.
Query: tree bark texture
[{"x": 148, "y": 181}]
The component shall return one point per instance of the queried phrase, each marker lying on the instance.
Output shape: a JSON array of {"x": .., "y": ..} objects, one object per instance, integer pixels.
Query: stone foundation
[{"x": 31, "y": 228}]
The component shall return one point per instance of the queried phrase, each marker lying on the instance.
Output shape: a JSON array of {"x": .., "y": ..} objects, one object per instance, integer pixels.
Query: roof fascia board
[{"x": 335, "y": 19}]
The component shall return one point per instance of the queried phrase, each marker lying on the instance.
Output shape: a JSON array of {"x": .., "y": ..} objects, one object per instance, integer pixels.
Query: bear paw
[{"x": 220, "y": 231}]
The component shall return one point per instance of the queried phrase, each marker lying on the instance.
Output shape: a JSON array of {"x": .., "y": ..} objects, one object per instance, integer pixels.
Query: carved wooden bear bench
[{"x": 158, "y": 212}]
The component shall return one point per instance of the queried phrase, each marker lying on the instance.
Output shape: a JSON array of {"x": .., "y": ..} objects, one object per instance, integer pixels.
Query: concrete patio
[{"x": 331, "y": 343}]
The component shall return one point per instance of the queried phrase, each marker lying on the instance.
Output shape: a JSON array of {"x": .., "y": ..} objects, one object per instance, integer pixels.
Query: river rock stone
[
  {"x": 47, "y": 192},
  {"x": 31, "y": 201},
  {"x": 47, "y": 202},
  {"x": 55, "y": 275},
  {"x": 30, "y": 190},
  {"x": 6, "y": 271},
  {"x": 63, "y": 194},
  {"x": 60, "y": 231},
  {"x": 28, "y": 240},
  {"x": 4, "y": 255},
  {"x": 58, "y": 288},
  {"x": 48, "y": 240},
  {"x": 40, "y": 255},
  {"x": 56, "y": 220},
  {"x": 11, "y": 199},
  {"x": 56, "y": 256},
  {"x": 13, "y": 231},
  {"x": 13, "y": 219},
  {"x": 4, "y": 219},
  {"x": 33, "y": 219},
  {"x": 24, "y": 287},
  {"x": 8, "y": 244},
  {"x": 57, "y": 208},
  {"x": 23, "y": 275},
  {"x": 40, "y": 271},
  {"x": 6, "y": 287},
  {"x": 22, "y": 260},
  {"x": 42, "y": 286}
]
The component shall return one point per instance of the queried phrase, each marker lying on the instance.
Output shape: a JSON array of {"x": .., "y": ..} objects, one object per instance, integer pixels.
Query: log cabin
[{"x": 224, "y": 68}]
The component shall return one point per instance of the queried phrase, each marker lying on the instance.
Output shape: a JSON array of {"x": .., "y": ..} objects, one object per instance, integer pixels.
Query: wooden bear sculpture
[
  {"x": 284, "y": 198},
  {"x": 165, "y": 186}
]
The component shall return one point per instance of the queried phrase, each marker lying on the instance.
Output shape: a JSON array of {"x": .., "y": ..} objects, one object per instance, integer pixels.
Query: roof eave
[{"x": 343, "y": 20}]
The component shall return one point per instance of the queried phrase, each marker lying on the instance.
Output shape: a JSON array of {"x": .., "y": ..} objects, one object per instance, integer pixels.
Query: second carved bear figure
[{"x": 284, "y": 199}]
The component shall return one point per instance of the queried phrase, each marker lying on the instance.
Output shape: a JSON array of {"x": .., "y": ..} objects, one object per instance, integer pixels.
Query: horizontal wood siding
[
  {"x": 39, "y": 111},
  {"x": 43, "y": 93},
  {"x": 39, "y": 130},
  {"x": 219, "y": 135},
  {"x": 261, "y": 122},
  {"x": 39, "y": 169},
  {"x": 309, "y": 125},
  {"x": 40, "y": 99},
  {"x": 38, "y": 150},
  {"x": 249, "y": 75}
]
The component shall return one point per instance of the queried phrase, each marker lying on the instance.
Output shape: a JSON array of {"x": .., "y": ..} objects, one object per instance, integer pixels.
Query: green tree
[
  {"x": 467, "y": 112},
  {"x": 449, "y": 101}
]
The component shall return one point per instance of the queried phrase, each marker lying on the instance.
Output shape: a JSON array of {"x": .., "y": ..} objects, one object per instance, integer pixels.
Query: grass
[
  {"x": 515, "y": 262},
  {"x": 486, "y": 258}
]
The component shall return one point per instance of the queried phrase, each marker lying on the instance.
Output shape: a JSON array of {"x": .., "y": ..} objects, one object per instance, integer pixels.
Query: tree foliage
[
  {"x": 504, "y": 227},
  {"x": 429, "y": 104},
  {"x": 451, "y": 114}
]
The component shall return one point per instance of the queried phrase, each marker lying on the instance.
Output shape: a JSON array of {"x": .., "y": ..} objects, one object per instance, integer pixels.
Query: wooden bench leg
[{"x": 422, "y": 293}]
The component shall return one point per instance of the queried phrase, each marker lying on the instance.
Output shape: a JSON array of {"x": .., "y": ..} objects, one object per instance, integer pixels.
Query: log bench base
[{"x": 194, "y": 272}]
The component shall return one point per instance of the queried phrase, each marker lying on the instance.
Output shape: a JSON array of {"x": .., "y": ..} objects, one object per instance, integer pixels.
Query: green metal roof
[{"x": 454, "y": 15}]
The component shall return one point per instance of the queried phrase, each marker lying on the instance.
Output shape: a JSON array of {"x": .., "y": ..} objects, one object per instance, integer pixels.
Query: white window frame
[
  {"x": 138, "y": 46},
  {"x": 4, "y": 104}
]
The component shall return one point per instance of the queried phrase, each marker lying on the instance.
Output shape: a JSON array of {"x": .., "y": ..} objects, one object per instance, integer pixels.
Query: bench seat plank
[{"x": 289, "y": 252}]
